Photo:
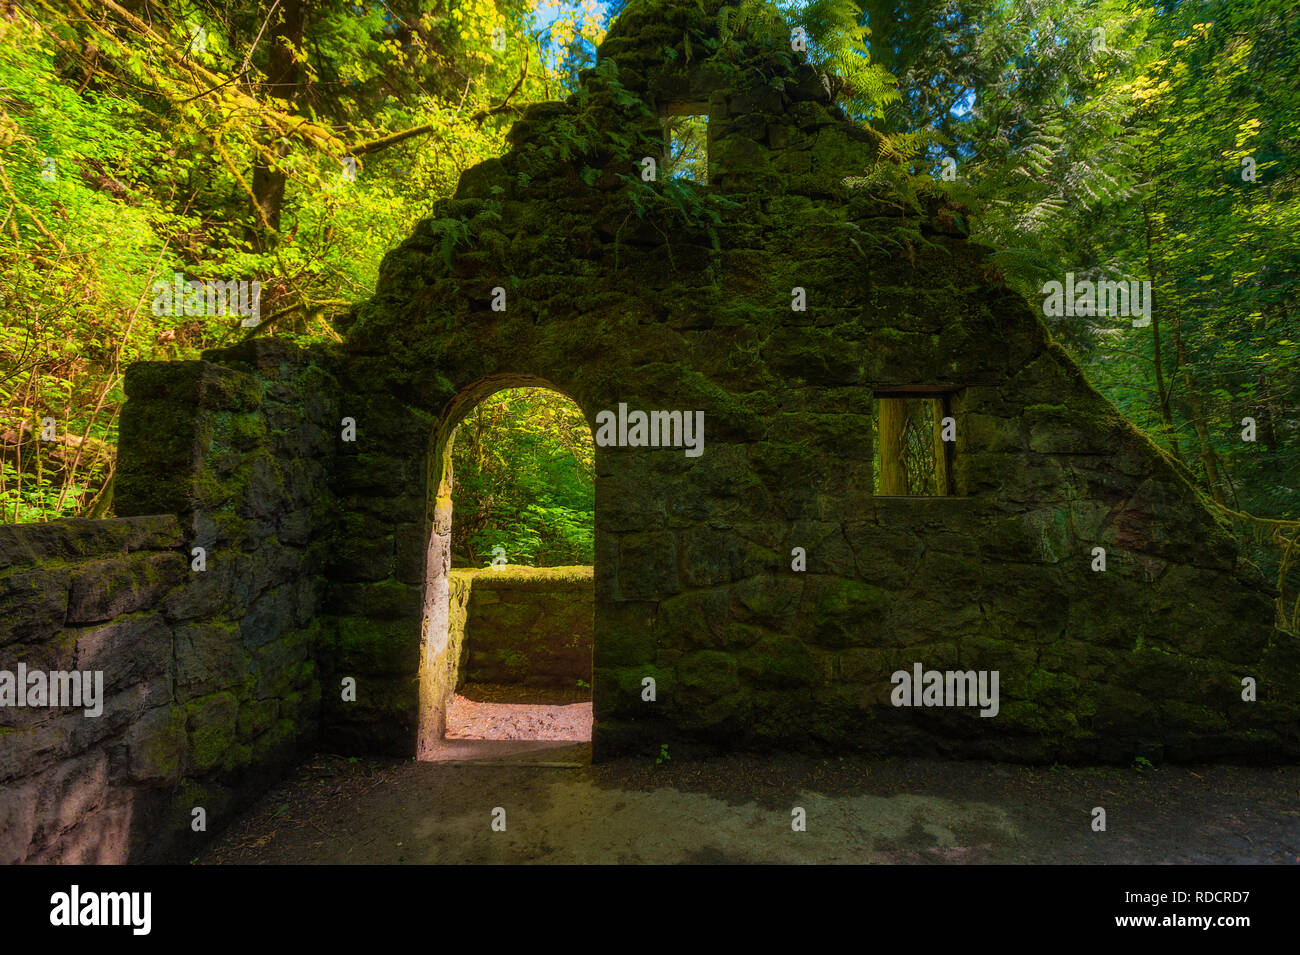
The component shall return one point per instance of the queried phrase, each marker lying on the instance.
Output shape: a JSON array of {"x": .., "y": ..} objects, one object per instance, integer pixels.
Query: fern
[
  {"x": 837, "y": 49},
  {"x": 451, "y": 233}
]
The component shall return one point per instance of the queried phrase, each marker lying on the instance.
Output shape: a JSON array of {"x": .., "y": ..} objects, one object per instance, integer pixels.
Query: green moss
[
  {"x": 779, "y": 661},
  {"x": 514, "y": 662},
  {"x": 237, "y": 757},
  {"x": 256, "y": 716},
  {"x": 710, "y": 673},
  {"x": 517, "y": 576},
  {"x": 277, "y": 742},
  {"x": 358, "y": 646},
  {"x": 210, "y": 726},
  {"x": 163, "y": 749}
]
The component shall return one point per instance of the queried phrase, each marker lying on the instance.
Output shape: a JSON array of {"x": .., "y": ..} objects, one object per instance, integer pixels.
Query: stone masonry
[{"x": 318, "y": 483}]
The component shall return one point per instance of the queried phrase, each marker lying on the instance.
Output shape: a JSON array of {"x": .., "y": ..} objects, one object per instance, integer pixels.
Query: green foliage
[
  {"x": 1107, "y": 139},
  {"x": 837, "y": 47},
  {"x": 220, "y": 156},
  {"x": 672, "y": 205},
  {"x": 523, "y": 464},
  {"x": 687, "y": 138}
]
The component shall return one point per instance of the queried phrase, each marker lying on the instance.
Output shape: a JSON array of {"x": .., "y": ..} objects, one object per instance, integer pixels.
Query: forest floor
[{"x": 737, "y": 809}]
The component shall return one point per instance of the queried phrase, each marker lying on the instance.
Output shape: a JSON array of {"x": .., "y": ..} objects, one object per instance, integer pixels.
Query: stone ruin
[{"x": 900, "y": 470}]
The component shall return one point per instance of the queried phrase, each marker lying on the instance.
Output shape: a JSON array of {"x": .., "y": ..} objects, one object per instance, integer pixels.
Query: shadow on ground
[{"x": 739, "y": 810}]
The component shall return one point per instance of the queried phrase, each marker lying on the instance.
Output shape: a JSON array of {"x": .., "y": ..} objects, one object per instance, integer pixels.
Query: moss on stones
[
  {"x": 210, "y": 730},
  {"x": 680, "y": 298}
]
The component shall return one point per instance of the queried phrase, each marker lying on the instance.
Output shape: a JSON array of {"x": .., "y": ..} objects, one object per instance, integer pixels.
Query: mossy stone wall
[
  {"x": 527, "y": 626},
  {"x": 200, "y": 709},
  {"x": 672, "y": 297}
]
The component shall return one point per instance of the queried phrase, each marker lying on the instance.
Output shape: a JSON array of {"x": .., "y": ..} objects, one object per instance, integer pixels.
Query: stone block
[
  {"x": 33, "y": 602},
  {"x": 210, "y": 656},
  {"x": 104, "y": 589}
]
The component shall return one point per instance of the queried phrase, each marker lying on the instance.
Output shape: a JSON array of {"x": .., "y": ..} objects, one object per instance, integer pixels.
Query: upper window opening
[
  {"x": 686, "y": 138},
  {"x": 911, "y": 456}
]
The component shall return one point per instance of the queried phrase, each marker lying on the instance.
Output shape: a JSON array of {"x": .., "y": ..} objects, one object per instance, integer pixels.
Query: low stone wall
[
  {"x": 531, "y": 626},
  {"x": 211, "y": 679}
]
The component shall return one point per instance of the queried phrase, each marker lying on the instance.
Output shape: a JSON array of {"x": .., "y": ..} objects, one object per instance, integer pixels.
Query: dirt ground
[
  {"x": 485, "y": 711},
  {"x": 739, "y": 809}
]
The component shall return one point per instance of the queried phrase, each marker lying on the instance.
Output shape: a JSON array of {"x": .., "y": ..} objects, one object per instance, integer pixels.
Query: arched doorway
[{"x": 508, "y": 626}]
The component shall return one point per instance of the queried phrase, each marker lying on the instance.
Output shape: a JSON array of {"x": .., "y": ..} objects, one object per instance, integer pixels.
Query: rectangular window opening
[
  {"x": 686, "y": 139},
  {"x": 910, "y": 457}
]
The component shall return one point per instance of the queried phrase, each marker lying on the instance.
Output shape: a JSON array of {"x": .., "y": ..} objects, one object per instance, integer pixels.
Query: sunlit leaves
[
  {"x": 523, "y": 465},
  {"x": 155, "y": 141}
]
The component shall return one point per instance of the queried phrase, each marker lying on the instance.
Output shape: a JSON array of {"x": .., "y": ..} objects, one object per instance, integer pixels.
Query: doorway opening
[{"x": 521, "y": 596}]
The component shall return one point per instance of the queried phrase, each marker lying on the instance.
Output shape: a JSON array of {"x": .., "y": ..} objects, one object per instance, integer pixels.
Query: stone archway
[{"x": 440, "y": 651}]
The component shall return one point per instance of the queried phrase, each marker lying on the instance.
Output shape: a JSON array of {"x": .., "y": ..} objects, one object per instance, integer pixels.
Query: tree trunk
[
  {"x": 893, "y": 424},
  {"x": 940, "y": 449},
  {"x": 1196, "y": 411},
  {"x": 1162, "y": 393},
  {"x": 283, "y": 76}
]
